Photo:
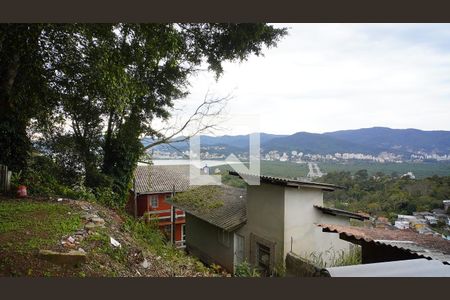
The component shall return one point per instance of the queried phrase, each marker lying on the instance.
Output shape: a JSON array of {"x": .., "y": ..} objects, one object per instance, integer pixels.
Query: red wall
[{"x": 144, "y": 204}]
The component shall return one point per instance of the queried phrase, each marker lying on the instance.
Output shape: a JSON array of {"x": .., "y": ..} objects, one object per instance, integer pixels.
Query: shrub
[{"x": 244, "y": 269}]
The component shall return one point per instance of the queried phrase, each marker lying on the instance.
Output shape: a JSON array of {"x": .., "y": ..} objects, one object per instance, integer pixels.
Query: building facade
[
  {"x": 149, "y": 199},
  {"x": 263, "y": 223}
]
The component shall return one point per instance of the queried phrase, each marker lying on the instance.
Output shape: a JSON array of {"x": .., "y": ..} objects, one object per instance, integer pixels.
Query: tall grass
[{"x": 333, "y": 258}]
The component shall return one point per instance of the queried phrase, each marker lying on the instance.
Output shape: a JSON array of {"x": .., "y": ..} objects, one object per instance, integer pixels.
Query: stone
[
  {"x": 91, "y": 226},
  {"x": 98, "y": 220},
  {"x": 73, "y": 257},
  {"x": 88, "y": 216},
  {"x": 145, "y": 264}
]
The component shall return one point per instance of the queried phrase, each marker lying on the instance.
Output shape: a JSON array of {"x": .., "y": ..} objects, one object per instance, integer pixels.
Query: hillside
[
  {"x": 313, "y": 143},
  {"x": 42, "y": 237},
  {"x": 365, "y": 140},
  {"x": 403, "y": 140}
]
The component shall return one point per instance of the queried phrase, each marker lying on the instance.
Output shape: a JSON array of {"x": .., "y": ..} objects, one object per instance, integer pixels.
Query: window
[
  {"x": 168, "y": 197},
  {"x": 183, "y": 232},
  {"x": 223, "y": 237},
  {"x": 154, "y": 201}
]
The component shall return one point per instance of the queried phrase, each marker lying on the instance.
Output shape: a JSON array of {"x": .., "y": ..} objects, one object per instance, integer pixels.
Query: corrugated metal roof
[
  {"x": 341, "y": 212},
  {"x": 289, "y": 182},
  {"x": 228, "y": 216},
  {"x": 161, "y": 178},
  {"x": 421, "y": 267},
  {"x": 427, "y": 246}
]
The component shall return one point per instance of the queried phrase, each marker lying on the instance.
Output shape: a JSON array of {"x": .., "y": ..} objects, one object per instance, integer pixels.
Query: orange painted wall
[{"x": 144, "y": 204}]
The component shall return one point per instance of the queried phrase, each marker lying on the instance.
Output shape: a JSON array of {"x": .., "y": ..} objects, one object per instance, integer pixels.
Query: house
[
  {"x": 446, "y": 205},
  {"x": 262, "y": 224},
  {"x": 431, "y": 220},
  {"x": 153, "y": 186}
]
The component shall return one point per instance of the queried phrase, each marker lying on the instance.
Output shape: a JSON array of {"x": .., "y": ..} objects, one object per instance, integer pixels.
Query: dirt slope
[{"x": 32, "y": 225}]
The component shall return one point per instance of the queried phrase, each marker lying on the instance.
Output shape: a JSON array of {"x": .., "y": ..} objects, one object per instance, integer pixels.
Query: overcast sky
[{"x": 327, "y": 77}]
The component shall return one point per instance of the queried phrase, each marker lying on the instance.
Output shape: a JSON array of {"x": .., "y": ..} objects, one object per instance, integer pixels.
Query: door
[
  {"x": 238, "y": 249},
  {"x": 263, "y": 259}
]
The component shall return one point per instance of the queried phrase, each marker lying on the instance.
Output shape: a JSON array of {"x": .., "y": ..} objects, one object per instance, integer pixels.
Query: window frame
[{"x": 154, "y": 197}]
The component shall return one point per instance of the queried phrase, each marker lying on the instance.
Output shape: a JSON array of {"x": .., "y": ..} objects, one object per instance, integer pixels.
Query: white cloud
[{"x": 326, "y": 77}]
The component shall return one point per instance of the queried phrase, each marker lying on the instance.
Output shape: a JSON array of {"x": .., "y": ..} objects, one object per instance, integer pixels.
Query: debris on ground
[{"x": 114, "y": 242}]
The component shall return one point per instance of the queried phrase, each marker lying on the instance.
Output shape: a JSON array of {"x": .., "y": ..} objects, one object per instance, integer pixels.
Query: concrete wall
[
  {"x": 297, "y": 266},
  {"x": 265, "y": 221},
  {"x": 202, "y": 240},
  {"x": 300, "y": 220}
]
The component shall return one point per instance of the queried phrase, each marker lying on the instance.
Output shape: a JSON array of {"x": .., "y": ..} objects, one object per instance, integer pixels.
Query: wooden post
[{"x": 135, "y": 197}]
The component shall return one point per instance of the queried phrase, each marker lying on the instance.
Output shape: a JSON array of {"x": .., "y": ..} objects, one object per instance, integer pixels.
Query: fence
[{"x": 5, "y": 179}]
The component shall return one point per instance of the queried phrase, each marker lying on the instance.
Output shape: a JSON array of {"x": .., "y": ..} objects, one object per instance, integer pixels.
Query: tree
[
  {"x": 24, "y": 92},
  {"x": 113, "y": 80}
]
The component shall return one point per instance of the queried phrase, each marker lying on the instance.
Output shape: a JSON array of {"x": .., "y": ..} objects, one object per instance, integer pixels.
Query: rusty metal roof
[
  {"x": 341, "y": 212},
  {"x": 161, "y": 178},
  {"x": 427, "y": 246},
  {"x": 228, "y": 216},
  {"x": 289, "y": 182}
]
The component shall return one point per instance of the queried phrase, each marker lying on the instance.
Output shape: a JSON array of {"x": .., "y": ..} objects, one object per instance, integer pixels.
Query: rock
[
  {"x": 98, "y": 220},
  {"x": 81, "y": 250},
  {"x": 73, "y": 257},
  {"x": 91, "y": 226},
  {"x": 145, "y": 264},
  {"x": 88, "y": 216}
]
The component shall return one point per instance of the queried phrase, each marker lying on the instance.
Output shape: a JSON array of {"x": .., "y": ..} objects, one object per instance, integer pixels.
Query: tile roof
[
  {"x": 289, "y": 182},
  {"x": 228, "y": 216},
  {"x": 161, "y": 178},
  {"x": 427, "y": 246},
  {"x": 341, "y": 212}
]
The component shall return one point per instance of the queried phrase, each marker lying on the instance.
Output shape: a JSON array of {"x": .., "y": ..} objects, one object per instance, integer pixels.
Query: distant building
[
  {"x": 402, "y": 224},
  {"x": 431, "y": 220},
  {"x": 409, "y": 175},
  {"x": 446, "y": 205}
]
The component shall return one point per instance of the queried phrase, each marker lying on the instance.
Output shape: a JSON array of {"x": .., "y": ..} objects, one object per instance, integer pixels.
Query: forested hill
[{"x": 365, "y": 140}]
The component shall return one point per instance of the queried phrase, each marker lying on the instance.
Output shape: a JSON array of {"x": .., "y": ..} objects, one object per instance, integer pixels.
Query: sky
[{"x": 328, "y": 77}]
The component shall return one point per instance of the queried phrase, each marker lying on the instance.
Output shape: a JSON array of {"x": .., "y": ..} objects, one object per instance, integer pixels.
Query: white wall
[
  {"x": 300, "y": 223},
  {"x": 265, "y": 217}
]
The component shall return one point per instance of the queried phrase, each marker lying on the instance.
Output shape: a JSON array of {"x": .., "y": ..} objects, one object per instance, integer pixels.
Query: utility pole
[{"x": 173, "y": 219}]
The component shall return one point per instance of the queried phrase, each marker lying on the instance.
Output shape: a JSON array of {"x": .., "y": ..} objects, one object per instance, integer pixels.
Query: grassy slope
[{"x": 29, "y": 225}]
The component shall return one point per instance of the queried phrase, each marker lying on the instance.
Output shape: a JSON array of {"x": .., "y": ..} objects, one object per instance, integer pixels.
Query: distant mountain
[
  {"x": 366, "y": 140},
  {"x": 401, "y": 140},
  {"x": 313, "y": 143}
]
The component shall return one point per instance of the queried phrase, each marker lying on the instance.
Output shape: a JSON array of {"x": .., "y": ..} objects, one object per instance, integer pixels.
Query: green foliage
[
  {"x": 200, "y": 198},
  {"x": 91, "y": 90},
  {"x": 244, "y": 269},
  {"x": 333, "y": 258},
  {"x": 149, "y": 236},
  {"x": 36, "y": 224},
  {"x": 384, "y": 195}
]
